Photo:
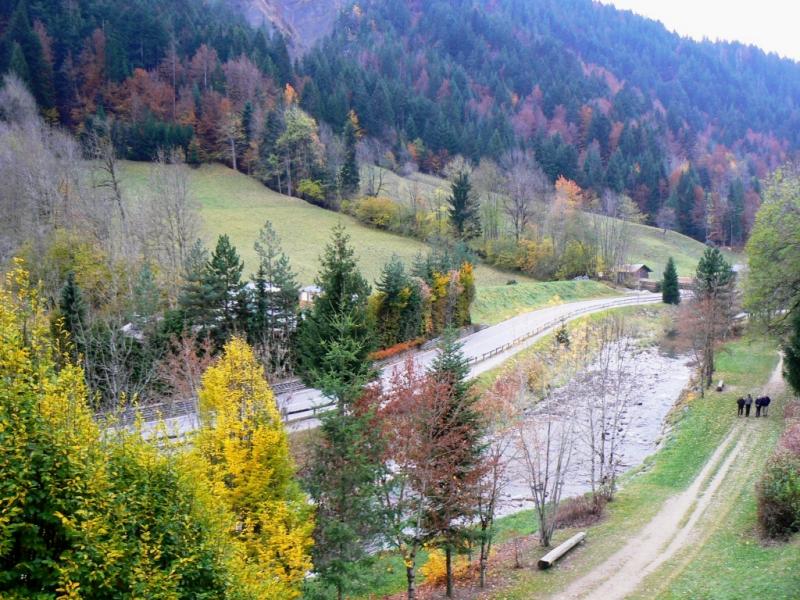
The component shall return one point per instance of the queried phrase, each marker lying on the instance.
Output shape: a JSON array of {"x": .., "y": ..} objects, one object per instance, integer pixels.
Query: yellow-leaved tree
[
  {"x": 91, "y": 515},
  {"x": 243, "y": 452}
]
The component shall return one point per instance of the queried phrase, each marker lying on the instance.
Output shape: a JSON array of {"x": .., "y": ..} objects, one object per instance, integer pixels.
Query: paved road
[{"x": 501, "y": 341}]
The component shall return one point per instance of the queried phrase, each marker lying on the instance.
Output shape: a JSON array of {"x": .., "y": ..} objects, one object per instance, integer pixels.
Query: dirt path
[{"x": 674, "y": 525}]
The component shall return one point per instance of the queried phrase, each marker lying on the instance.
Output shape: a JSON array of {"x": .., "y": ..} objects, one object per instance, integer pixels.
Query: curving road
[{"x": 484, "y": 349}]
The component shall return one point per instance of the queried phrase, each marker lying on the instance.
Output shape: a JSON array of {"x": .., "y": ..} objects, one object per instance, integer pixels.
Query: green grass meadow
[
  {"x": 498, "y": 303},
  {"x": 237, "y": 205}
]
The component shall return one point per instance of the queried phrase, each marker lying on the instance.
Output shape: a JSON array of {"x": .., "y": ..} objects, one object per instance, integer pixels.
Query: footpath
[{"x": 678, "y": 531}]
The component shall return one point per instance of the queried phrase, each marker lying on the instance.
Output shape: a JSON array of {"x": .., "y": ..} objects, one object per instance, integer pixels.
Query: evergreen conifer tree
[
  {"x": 452, "y": 500},
  {"x": 72, "y": 307},
  {"x": 334, "y": 342},
  {"x": 464, "y": 209},
  {"x": 145, "y": 297},
  {"x": 714, "y": 274},
  {"x": 18, "y": 64},
  {"x": 396, "y": 311},
  {"x": 196, "y": 294},
  {"x": 275, "y": 300},
  {"x": 670, "y": 291},
  {"x": 224, "y": 281},
  {"x": 334, "y": 338},
  {"x": 40, "y": 72},
  {"x": 349, "y": 175}
]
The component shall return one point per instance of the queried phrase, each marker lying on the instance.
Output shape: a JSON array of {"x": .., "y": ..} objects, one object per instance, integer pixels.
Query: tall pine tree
[
  {"x": 670, "y": 290},
  {"x": 72, "y": 307},
  {"x": 224, "y": 280},
  {"x": 464, "y": 208},
  {"x": 453, "y": 502},
  {"x": 349, "y": 175},
  {"x": 334, "y": 338},
  {"x": 275, "y": 302},
  {"x": 334, "y": 342}
]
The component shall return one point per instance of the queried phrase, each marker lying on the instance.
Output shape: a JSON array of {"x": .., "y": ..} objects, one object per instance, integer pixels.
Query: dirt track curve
[{"x": 672, "y": 528}]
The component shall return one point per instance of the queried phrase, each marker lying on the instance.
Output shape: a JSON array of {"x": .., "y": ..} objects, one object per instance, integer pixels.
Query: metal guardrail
[
  {"x": 553, "y": 323},
  {"x": 169, "y": 410}
]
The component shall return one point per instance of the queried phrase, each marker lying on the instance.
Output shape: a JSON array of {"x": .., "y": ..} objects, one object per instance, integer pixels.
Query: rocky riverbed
[{"x": 653, "y": 384}]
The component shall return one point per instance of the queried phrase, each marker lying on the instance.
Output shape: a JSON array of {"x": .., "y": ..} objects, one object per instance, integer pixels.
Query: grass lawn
[
  {"x": 238, "y": 205},
  {"x": 498, "y": 303},
  {"x": 649, "y": 245},
  {"x": 699, "y": 426}
]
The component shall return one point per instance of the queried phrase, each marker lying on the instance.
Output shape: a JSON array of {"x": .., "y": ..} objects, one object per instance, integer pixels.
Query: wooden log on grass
[{"x": 549, "y": 559}]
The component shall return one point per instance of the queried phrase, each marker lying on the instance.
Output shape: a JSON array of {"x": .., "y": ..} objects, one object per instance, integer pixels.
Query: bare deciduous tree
[
  {"x": 170, "y": 217},
  {"x": 613, "y": 229},
  {"x": 489, "y": 182},
  {"x": 605, "y": 394},
  {"x": 497, "y": 405},
  {"x": 525, "y": 183},
  {"x": 546, "y": 441}
]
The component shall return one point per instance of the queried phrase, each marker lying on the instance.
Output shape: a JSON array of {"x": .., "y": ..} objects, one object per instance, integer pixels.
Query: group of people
[{"x": 762, "y": 404}]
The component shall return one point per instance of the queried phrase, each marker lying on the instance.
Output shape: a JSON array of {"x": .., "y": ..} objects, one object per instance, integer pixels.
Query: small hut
[{"x": 631, "y": 274}]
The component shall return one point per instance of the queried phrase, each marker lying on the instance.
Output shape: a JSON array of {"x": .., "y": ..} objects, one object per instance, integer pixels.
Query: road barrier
[
  {"x": 555, "y": 322},
  {"x": 181, "y": 408}
]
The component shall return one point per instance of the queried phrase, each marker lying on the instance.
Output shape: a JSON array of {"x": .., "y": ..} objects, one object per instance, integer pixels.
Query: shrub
[
  {"x": 376, "y": 211},
  {"x": 396, "y": 349},
  {"x": 792, "y": 411},
  {"x": 580, "y": 512},
  {"x": 312, "y": 190},
  {"x": 435, "y": 569},
  {"x": 779, "y": 496},
  {"x": 790, "y": 440}
]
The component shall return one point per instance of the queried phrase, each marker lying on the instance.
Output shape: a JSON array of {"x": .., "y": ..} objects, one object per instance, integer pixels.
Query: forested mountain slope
[{"x": 605, "y": 97}]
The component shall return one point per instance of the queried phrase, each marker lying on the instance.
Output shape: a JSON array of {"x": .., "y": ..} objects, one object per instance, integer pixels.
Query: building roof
[
  {"x": 633, "y": 268},
  {"x": 312, "y": 289}
]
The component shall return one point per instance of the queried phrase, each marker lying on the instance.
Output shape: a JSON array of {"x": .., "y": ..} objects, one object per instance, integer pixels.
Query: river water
[{"x": 655, "y": 381}]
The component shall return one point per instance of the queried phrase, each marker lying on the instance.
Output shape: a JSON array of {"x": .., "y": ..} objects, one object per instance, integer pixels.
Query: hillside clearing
[{"x": 238, "y": 205}]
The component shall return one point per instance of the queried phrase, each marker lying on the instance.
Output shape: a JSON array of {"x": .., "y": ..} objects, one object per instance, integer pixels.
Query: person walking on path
[
  {"x": 747, "y": 404},
  {"x": 759, "y": 402},
  {"x": 740, "y": 404},
  {"x": 765, "y": 403}
]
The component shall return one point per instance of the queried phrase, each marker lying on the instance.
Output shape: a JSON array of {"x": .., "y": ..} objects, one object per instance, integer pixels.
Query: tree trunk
[
  {"x": 448, "y": 552},
  {"x": 233, "y": 153},
  {"x": 411, "y": 576},
  {"x": 484, "y": 562},
  {"x": 288, "y": 178}
]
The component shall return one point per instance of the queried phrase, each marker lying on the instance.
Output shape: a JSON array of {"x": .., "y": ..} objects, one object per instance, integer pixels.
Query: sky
[{"x": 769, "y": 24}]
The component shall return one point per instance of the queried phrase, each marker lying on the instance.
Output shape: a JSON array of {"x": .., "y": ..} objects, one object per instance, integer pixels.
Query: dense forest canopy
[{"x": 602, "y": 97}]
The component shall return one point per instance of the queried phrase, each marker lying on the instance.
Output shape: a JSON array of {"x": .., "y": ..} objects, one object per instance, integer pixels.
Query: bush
[
  {"x": 779, "y": 496},
  {"x": 396, "y": 349},
  {"x": 790, "y": 440},
  {"x": 376, "y": 211},
  {"x": 792, "y": 411},
  {"x": 435, "y": 569},
  {"x": 580, "y": 512}
]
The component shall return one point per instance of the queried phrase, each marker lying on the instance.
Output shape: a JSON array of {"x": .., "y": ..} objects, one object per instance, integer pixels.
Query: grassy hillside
[
  {"x": 237, "y": 205},
  {"x": 648, "y": 245},
  {"x": 500, "y": 302}
]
